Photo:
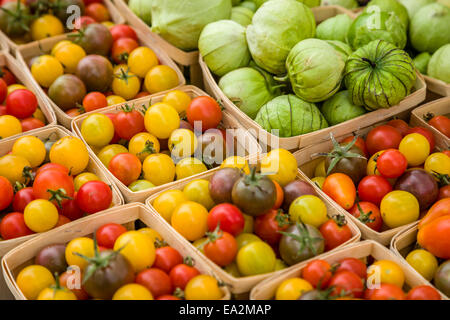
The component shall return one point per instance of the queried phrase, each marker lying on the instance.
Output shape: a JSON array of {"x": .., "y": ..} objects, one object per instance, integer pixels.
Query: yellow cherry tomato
[
  {"x": 141, "y": 60},
  {"x": 38, "y": 114},
  {"x": 249, "y": 221},
  {"x": 120, "y": 68},
  {"x": 178, "y": 99},
  {"x": 198, "y": 191},
  {"x": 98, "y": 130},
  {"x": 233, "y": 270},
  {"x": 203, "y": 287},
  {"x": 167, "y": 201},
  {"x": 245, "y": 238},
  {"x": 46, "y": 69},
  {"x": 318, "y": 181},
  {"x": 71, "y": 153},
  {"x": 438, "y": 163},
  {"x": 161, "y": 78},
  {"x": 416, "y": 149},
  {"x": 13, "y": 167},
  {"x": 137, "y": 248},
  {"x": 256, "y": 257},
  {"x": 82, "y": 245},
  {"x": 189, "y": 219},
  {"x": 132, "y": 291},
  {"x": 110, "y": 151},
  {"x": 308, "y": 209},
  {"x": 319, "y": 171},
  {"x": 113, "y": 100},
  {"x": 15, "y": 87},
  {"x": 236, "y": 162},
  {"x": 200, "y": 243},
  {"x": 182, "y": 143},
  {"x": 292, "y": 289},
  {"x": 143, "y": 144},
  {"x": 281, "y": 166},
  {"x": 372, "y": 164},
  {"x": 33, "y": 279},
  {"x": 126, "y": 85},
  {"x": 84, "y": 177},
  {"x": 423, "y": 262},
  {"x": 152, "y": 233},
  {"x": 52, "y": 293},
  {"x": 70, "y": 55},
  {"x": 387, "y": 271},
  {"x": 161, "y": 120},
  {"x": 280, "y": 265},
  {"x": 59, "y": 45},
  {"x": 46, "y": 26},
  {"x": 140, "y": 185},
  {"x": 188, "y": 167},
  {"x": 30, "y": 148},
  {"x": 399, "y": 208},
  {"x": 40, "y": 215},
  {"x": 159, "y": 169},
  {"x": 9, "y": 126}
]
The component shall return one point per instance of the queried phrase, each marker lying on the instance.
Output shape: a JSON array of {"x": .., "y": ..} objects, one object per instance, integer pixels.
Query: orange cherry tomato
[
  {"x": 280, "y": 195},
  {"x": 439, "y": 209},
  {"x": 434, "y": 237},
  {"x": 341, "y": 189}
]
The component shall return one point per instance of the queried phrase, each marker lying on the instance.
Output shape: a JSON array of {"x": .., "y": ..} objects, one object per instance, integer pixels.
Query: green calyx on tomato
[
  {"x": 59, "y": 196},
  {"x": 19, "y": 186},
  {"x": 304, "y": 238},
  {"x": 57, "y": 285},
  {"x": 189, "y": 261},
  {"x": 124, "y": 76},
  {"x": 27, "y": 173},
  {"x": 318, "y": 294},
  {"x": 339, "y": 219},
  {"x": 212, "y": 236},
  {"x": 282, "y": 218},
  {"x": 364, "y": 217},
  {"x": 443, "y": 179},
  {"x": 160, "y": 243}
]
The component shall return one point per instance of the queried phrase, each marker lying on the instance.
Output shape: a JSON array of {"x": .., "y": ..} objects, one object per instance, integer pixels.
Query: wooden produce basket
[
  {"x": 297, "y": 142},
  {"x": 437, "y": 86},
  {"x": 53, "y": 133},
  {"x": 307, "y": 161},
  {"x": 31, "y": 50},
  {"x": 267, "y": 288},
  {"x": 116, "y": 17},
  {"x": 437, "y": 107},
  {"x": 403, "y": 243},
  {"x": 6, "y": 60},
  {"x": 245, "y": 284},
  {"x": 187, "y": 60},
  {"x": 22, "y": 256},
  {"x": 243, "y": 140}
]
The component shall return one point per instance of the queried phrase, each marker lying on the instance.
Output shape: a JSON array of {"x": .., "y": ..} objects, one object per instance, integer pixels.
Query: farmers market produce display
[
  {"x": 25, "y": 21},
  {"x": 252, "y": 224}
]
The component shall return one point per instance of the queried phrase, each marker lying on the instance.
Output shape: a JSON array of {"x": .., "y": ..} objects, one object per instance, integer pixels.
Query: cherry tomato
[
  {"x": 423, "y": 262},
  {"x": 128, "y": 123},
  {"x": 52, "y": 166},
  {"x": 13, "y": 226},
  {"x": 3, "y": 90},
  {"x": 32, "y": 149},
  {"x": 203, "y": 287},
  {"x": 68, "y": 280},
  {"x": 21, "y": 198},
  {"x": 444, "y": 192},
  {"x": 318, "y": 273},
  {"x": 137, "y": 248},
  {"x": 143, "y": 144},
  {"x": 123, "y": 31},
  {"x": 159, "y": 169},
  {"x": 93, "y": 101},
  {"x": 30, "y": 124},
  {"x": 269, "y": 225},
  {"x": 441, "y": 123},
  {"x": 82, "y": 245},
  {"x": 167, "y": 258},
  {"x": 94, "y": 196},
  {"x": 353, "y": 265},
  {"x": 206, "y": 110},
  {"x": 292, "y": 289},
  {"x": 369, "y": 214},
  {"x": 190, "y": 220},
  {"x": 161, "y": 78},
  {"x": 79, "y": 156},
  {"x": 122, "y": 48},
  {"x": 400, "y": 125},
  {"x": 373, "y": 188},
  {"x": 426, "y": 133},
  {"x": 21, "y": 103},
  {"x": 33, "y": 279},
  {"x": 360, "y": 143},
  {"x": 399, "y": 208},
  {"x": 167, "y": 201},
  {"x": 416, "y": 149},
  {"x": 308, "y": 209},
  {"x": 388, "y": 272},
  {"x": 140, "y": 62},
  {"x": 383, "y": 137},
  {"x": 40, "y": 215},
  {"x": 161, "y": 120},
  {"x": 98, "y": 12},
  {"x": 133, "y": 291},
  {"x": 392, "y": 164},
  {"x": 438, "y": 163},
  {"x": 423, "y": 293},
  {"x": 335, "y": 232},
  {"x": 188, "y": 167},
  {"x": 256, "y": 257},
  {"x": 7, "y": 76},
  {"x": 181, "y": 274},
  {"x": 156, "y": 281},
  {"x": 7, "y": 192},
  {"x": 348, "y": 282},
  {"x": 107, "y": 234},
  {"x": 178, "y": 99},
  {"x": 46, "y": 26},
  {"x": 125, "y": 167},
  {"x": 98, "y": 130},
  {"x": 221, "y": 248},
  {"x": 341, "y": 189},
  {"x": 53, "y": 185},
  {"x": 386, "y": 291},
  {"x": 198, "y": 191},
  {"x": 229, "y": 216}
]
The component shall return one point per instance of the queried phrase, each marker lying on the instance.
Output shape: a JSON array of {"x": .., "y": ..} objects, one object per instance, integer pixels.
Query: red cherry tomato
[
  {"x": 221, "y": 249},
  {"x": 126, "y": 167},
  {"x": 167, "y": 297},
  {"x": 392, "y": 164},
  {"x": 98, "y": 12},
  {"x": 3, "y": 111},
  {"x": 13, "y": 226},
  {"x": 107, "y": 234},
  {"x": 31, "y": 124},
  {"x": 116, "y": 138},
  {"x": 360, "y": 143},
  {"x": 122, "y": 48},
  {"x": 123, "y": 31},
  {"x": 3, "y": 90},
  {"x": 335, "y": 232},
  {"x": 426, "y": 133},
  {"x": 400, "y": 125},
  {"x": 7, "y": 76},
  {"x": 70, "y": 209},
  {"x": 167, "y": 258},
  {"x": 21, "y": 103},
  {"x": 444, "y": 192},
  {"x": 370, "y": 215},
  {"x": 52, "y": 166},
  {"x": 53, "y": 185},
  {"x": 181, "y": 274},
  {"x": 317, "y": 273},
  {"x": 142, "y": 94},
  {"x": 128, "y": 122},
  {"x": 22, "y": 198},
  {"x": 381, "y": 138},
  {"x": 62, "y": 220},
  {"x": 373, "y": 188},
  {"x": 6, "y": 192},
  {"x": 441, "y": 123},
  {"x": 348, "y": 282},
  {"x": 269, "y": 225},
  {"x": 67, "y": 280},
  {"x": 94, "y": 196},
  {"x": 423, "y": 293},
  {"x": 353, "y": 265},
  {"x": 229, "y": 216},
  {"x": 155, "y": 280},
  {"x": 386, "y": 291},
  {"x": 206, "y": 110},
  {"x": 83, "y": 22},
  {"x": 93, "y": 101}
]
